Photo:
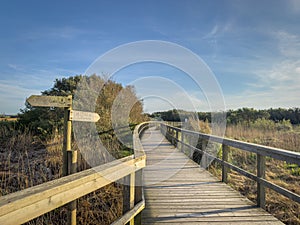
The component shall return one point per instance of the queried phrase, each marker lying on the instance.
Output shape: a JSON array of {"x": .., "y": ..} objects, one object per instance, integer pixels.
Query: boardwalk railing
[
  {"x": 181, "y": 136},
  {"x": 25, "y": 205}
]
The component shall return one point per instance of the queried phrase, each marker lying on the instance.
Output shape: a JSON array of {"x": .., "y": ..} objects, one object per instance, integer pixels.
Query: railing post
[
  {"x": 167, "y": 132},
  {"x": 128, "y": 195},
  {"x": 176, "y": 135},
  {"x": 204, "y": 144},
  {"x": 204, "y": 161},
  {"x": 225, "y": 169},
  {"x": 132, "y": 192},
  {"x": 182, "y": 141},
  {"x": 173, "y": 136},
  {"x": 138, "y": 196},
  {"x": 261, "y": 170}
]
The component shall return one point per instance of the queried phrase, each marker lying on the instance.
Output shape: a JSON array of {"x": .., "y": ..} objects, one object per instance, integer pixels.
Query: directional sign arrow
[
  {"x": 49, "y": 101},
  {"x": 84, "y": 116}
]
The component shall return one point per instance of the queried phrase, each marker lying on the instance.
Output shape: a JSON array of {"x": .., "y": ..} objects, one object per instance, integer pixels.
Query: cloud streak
[{"x": 12, "y": 96}]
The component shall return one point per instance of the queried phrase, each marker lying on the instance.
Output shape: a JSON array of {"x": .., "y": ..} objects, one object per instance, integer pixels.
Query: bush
[{"x": 265, "y": 124}]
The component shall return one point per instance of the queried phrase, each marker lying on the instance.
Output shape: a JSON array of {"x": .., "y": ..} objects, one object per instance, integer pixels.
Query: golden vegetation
[
  {"x": 264, "y": 132},
  {"x": 27, "y": 161}
]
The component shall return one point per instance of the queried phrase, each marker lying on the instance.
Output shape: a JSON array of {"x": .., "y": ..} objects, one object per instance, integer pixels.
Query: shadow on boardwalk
[{"x": 177, "y": 191}]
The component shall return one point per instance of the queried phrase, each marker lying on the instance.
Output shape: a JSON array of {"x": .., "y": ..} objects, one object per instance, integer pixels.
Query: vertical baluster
[
  {"x": 176, "y": 140},
  {"x": 128, "y": 195},
  {"x": 261, "y": 170},
  {"x": 204, "y": 159},
  {"x": 225, "y": 169},
  {"x": 182, "y": 141}
]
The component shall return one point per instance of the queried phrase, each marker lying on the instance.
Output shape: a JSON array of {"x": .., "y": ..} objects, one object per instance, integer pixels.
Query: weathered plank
[
  {"x": 50, "y": 101},
  {"x": 177, "y": 191},
  {"x": 25, "y": 205}
]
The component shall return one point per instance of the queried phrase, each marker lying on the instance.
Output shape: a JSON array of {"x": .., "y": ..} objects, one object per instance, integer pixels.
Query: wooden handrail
[
  {"x": 172, "y": 133},
  {"x": 134, "y": 201},
  {"x": 276, "y": 153},
  {"x": 22, "y": 206}
]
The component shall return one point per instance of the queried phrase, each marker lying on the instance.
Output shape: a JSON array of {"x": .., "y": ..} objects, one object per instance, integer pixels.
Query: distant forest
[{"x": 237, "y": 116}]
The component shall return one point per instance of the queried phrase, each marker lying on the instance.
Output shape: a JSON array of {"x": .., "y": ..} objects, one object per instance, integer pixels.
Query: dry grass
[
  {"x": 278, "y": 172},
  {"x": 25, "y": 161},
  {"x": 8, "y": 119}
]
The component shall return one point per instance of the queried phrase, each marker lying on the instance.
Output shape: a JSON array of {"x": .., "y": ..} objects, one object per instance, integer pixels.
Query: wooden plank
[
  {"x": 131, "y": 214},
  {"x": 50, "y": 101},
  {"x": 213, "y": 223},
  {"x": 25, "y": 205},
  {"x": 177, "y": 191}
]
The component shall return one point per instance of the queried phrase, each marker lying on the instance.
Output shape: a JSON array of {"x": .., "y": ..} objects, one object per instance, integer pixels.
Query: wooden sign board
[
  {"x": 84, "y": 116},
  {"x": 49, "y": 101}
]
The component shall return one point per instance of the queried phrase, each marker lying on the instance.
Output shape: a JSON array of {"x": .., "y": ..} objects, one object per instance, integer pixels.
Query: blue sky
[{"x": 252, "y": 47}]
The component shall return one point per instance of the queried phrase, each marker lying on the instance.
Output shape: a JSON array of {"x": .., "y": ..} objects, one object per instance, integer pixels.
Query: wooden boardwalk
[{"x": 177, "y": 191}]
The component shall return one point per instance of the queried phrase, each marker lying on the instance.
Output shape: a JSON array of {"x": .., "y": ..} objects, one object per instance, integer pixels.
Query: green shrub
[{"x": 265, "y": 124}]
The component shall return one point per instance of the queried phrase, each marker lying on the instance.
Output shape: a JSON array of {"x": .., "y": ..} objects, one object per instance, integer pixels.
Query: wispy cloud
[
  {"x": 278, "y": 86},
  {"x": 277, "y": 76},
  {"x": 160, "y": 93},
  {"x": 13, "y": 96},
  {"x": 174, "y": 100},
  {"x": 294, "y": 5},
  {"x": 13, "y": 66},
  {"x": 285, "y": 75},
  {"x": 288, "y": 43},
  {"x": 21, "y": 81},
  {"x": 53, "y": 33},
  {"x": 219, "y": 30}
]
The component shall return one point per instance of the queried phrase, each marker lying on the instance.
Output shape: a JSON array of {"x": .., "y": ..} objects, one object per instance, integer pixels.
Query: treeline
[{"x": 236, "y": 116}]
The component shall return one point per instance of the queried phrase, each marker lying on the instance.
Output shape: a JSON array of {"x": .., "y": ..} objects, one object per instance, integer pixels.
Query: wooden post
[
  {"x": 204, "y": 143},
  {"x": 173, "y": 136},
  {"x": 138, "y": 186},
  {"x": 138, "y": 196},
  {"x": 132, "y": 189},
  {"x": 203, "y": 162},
  {"x": 182, "y": 140},
  {"x": 225, "y": 169},
  {"x": 261, "y": 171},
  {"x": 128, "y": 195},
  {"x": 69, "y": 158},
  {"x": 132, "y": 192},
  {"x": 176, "y": 140},
  {"x": 65, "y": 144}
]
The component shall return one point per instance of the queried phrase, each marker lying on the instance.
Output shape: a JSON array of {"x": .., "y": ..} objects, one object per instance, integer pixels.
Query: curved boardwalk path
[{"x": 177, "y": 191}]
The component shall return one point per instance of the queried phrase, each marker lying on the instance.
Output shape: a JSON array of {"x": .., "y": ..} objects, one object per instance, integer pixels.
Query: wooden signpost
[
  {"x": 50, "y": 101},
  {"x": 69, "y": 155},
  {"x": 84, "y": 116}
]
